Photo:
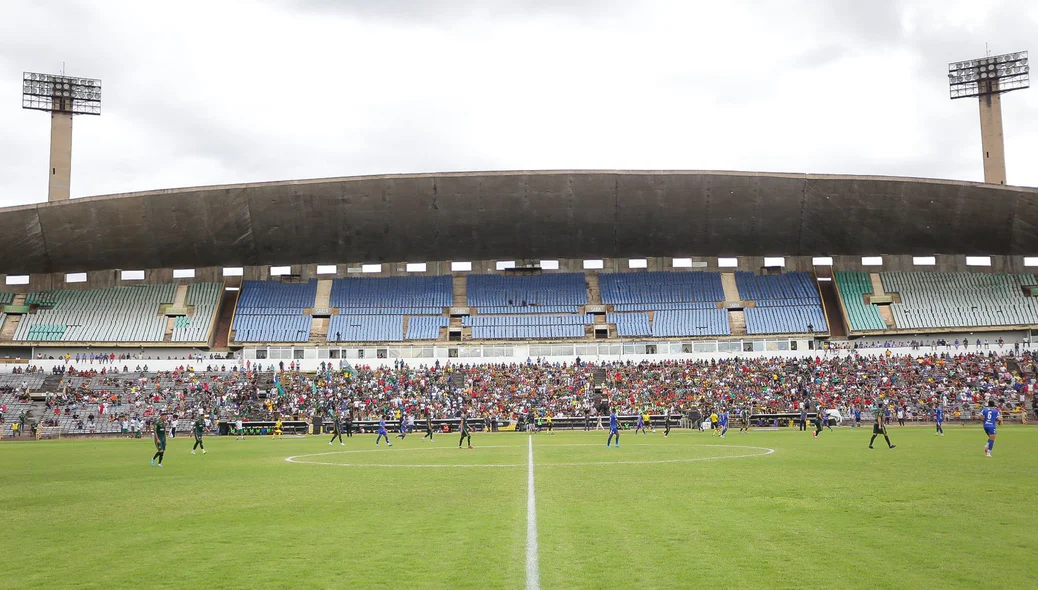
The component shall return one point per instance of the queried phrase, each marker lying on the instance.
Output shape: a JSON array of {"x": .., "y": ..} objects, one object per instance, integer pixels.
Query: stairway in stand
[
  {"x": 460, "y": 291},
  {"x": 731, "y": 289},
  {"x": 222, "y": 330},
  {"x": 324, "y": 294},
  {"x": 737, "y": 321}
]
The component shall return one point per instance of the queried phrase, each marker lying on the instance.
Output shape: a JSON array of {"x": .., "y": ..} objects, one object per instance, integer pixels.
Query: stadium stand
[
  {"x": 785, "y": 304},
  {"x": 422, "y": 327},
  {"x": 366, "y": 328},
  {"x": 560, "y": 293},
  {"x": 528, "y": 326},
  {"x": 691, "y": 322},
  {"x": 195, "y": 328},
  {"x": 853, "y": 286},
  {"x": 115, "y": 314},
  {"x": 392, "y": 295},
  {"x": 270, "y": 311},
  {"x": 957, "y": 300},
  {"x": 630, "y": 324},
  {"x": 645, "y": 291},
  {"x": 685, "y": 303}
]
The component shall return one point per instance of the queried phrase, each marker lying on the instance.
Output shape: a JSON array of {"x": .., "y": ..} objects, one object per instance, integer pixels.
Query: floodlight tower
[
  {"x": 62, "y": 96},
  {"x": 988, "y": 78}
]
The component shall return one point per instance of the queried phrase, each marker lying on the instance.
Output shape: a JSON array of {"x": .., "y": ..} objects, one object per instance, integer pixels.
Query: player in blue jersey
[
  {"x": 640, "y": 425},
  {"x": 614, "y": 428},
  {"x": 382, "y": 432},
  {"x": 938, "y": 418},
  {"x": 403, "y": 426},
  {"x": 722, "y": 421},
  {"x": 992, "y": 418}
]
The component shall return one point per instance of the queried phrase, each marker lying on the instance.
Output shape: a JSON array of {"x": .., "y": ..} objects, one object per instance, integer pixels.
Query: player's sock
[
  {"x": 872, "y": 440},
  {"x": 887, "y": 438},
  {"x": 991, "y": 445}
]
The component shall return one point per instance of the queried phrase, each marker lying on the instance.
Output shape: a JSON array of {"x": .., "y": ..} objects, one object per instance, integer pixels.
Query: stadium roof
[{"x": 519, "y": 215}]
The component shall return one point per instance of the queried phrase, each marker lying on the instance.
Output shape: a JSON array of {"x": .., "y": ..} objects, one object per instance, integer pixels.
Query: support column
[
  {"x": 991, "y": 137},
  {"x": 60, "y": 157}
]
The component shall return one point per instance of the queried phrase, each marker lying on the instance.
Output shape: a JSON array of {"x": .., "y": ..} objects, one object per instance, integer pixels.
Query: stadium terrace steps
[
  {"x": 459, "y": 290},
  {"x": 324, "y": 294},
  {"x": 594, "y": 289},
  {"x": 180, "y": 299},
  {"x": 877, "y": 284},
  {"x": 737, "y": 319},
  {"x": 887, "y": 314},
  {"x": 731, "y": 288},
  {"x": 222, "y": 326}
]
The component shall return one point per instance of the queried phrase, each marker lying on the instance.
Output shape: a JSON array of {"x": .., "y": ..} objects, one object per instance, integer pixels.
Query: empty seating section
[
  {"x": 527, "y": 326},
  {"x": 488, "y": 309},
  {"x": 424, "y": 327},
  {"x": 204, "y": 297},
  {"x": 630, "y": 324},
  {"x": 270, "y": 311},
  {"x": 625, "y": 307},
  {"x": 366, "y": 328},
  {"x": 660, "y": 290},
  {"x": 691, "y": 322},
  {"x": 784, "y": 320},
  {"x": 541, "y": 292},
  {"x": 392, "y": 295},
  {"x": 114, "y": 314},
  {"x": 958, "y": 300},
  {"x": 6, "y": 298},
  {"x": 788, "y": 303},
  {"x": 853, "y": 287}
]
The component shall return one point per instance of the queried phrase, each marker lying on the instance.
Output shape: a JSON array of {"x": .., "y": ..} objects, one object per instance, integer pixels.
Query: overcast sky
[{"x": 211, "y": 92}]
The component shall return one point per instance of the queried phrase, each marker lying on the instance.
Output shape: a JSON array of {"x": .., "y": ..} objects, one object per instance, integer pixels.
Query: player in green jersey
[
  {"x": 198, "y": 429},
  {"x": 159, "y": 437}
]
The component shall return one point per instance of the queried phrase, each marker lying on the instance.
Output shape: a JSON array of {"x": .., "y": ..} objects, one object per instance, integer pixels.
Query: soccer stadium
[{"x": 574, "y": 378}]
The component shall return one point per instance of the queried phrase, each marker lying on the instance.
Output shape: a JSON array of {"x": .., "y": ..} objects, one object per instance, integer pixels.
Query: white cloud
[{"x": 310, "y": 88}]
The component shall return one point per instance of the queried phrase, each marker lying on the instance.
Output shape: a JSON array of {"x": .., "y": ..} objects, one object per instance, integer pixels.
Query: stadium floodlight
[
  {"x": 62, "y": 96},
  {"x": 987, "y": 78}
]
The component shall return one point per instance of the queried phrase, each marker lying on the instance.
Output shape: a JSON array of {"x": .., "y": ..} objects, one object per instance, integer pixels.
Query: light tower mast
[
  {"x": 62, "y": 96},
  {"x": 988, "y": 78}
]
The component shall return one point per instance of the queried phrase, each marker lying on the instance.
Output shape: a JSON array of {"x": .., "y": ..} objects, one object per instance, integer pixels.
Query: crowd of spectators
[{"x": 912, "y": 385}]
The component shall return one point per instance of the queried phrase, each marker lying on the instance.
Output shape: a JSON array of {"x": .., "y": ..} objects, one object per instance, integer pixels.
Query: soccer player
[
  {"x": 666, "y": 423},
  {"x": 745, "y": 415},
  {"x": 198, "y": 429},
  {"x": 428, "y": 425},
  {"x": 465, "y": 432},
  {"x": 382, "y": 432},
  {"x": 714, "y": 418},
  {"x": 548, "y": 423},
  {"x": 240, "y": 434},
  {"x": 938, "y": 418},
  {"x": 722, "y": 421},
  {"x": 819, "y": 418},
  {"x": 159, "y": 437},
  {"x": 277, "y": 428},
  {"x": 640, "y": 425},
  {"x": 403, "y": 427},
  {"x": 648, "y": 420},
  {"x": 992, "y": 417},
  {"x": 614, "y": 428},
  {"x": 880, "y": 425},
  {"x": 337, "y": 429}
]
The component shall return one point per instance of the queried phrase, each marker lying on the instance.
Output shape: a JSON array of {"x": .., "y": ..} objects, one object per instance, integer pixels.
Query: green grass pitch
[{"x": 688, "y": 511}]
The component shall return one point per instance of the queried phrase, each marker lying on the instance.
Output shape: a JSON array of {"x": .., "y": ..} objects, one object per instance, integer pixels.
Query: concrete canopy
[{"x": 519, "y": 215}]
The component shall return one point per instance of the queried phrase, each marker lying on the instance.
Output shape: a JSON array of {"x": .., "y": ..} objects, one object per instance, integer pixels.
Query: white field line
[{"x": 533, "y": 576}]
